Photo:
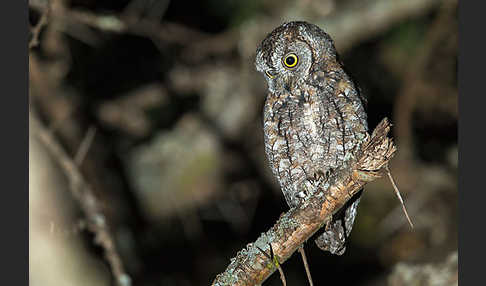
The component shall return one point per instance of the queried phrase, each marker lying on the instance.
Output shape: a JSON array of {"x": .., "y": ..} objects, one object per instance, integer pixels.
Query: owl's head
[{"x": 290, "y": 52}]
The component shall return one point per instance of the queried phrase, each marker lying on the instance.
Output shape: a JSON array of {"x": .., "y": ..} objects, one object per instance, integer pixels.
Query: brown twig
[
  {"x": 34, "y": 41},
  {"x": 433, "y": 179},
  {"x": 397, "y": 192},
  {"x": 306, "y": 265},
  {"x": 297, "y": 225},
  {"x": 282, "y": 275},
  {"x": 84, "y": 146},
  {"x": 83, "y": 193}
]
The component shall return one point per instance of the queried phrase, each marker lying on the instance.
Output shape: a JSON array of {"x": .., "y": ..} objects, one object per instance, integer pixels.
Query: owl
[{"x": 314, "y": 119}]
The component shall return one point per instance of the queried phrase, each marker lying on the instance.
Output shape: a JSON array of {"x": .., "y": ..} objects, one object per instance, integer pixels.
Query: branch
[
  {"x": 34, "y": 41},
  {"x": 251, "y": 267},
  {"x": 83, "y": 193}
]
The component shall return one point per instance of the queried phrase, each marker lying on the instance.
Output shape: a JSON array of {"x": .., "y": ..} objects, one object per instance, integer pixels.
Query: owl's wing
[
  {"x": 334, "y": 239},
  {"x": 359, "y": 91}
]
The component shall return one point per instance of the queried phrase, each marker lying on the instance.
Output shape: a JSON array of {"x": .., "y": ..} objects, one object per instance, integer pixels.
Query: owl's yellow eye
[{"x": 290, "y": 60}]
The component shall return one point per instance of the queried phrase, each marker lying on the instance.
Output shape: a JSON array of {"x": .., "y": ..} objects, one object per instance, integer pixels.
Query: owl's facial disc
[
  {"x": 288, "y": 53},
  {"x": 287, "y": 63}
]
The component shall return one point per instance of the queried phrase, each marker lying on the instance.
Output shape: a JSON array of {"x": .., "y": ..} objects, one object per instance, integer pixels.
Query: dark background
[{"x": 169, "y": 90}]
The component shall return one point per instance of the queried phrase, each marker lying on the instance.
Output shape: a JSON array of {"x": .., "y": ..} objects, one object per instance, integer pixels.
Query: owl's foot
[
  {"x": 328, "y": 224},
  {"x": 323, "y": 177},
  {"x": 314, "y": 182},
  {"x": 333, "y": 239}
]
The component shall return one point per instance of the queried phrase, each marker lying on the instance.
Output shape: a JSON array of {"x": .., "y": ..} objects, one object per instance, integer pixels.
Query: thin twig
[
  {"x": 397, "y": 192},
  {"x": 282, "y": 275},
  {"x": 84, "y": 146},
  {"x": 34, "y": 41},
  {"x": 306, "y": 265}
]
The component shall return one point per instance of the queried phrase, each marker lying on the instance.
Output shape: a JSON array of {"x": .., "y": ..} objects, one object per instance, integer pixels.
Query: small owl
[{"x": 314, "y": 119}]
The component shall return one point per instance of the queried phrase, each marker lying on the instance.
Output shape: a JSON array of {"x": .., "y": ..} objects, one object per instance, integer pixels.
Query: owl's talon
[
  {"x": 328, "y": 224},
  {"x": 319, "y": 175},
  {"x": 329, "y": 172}
]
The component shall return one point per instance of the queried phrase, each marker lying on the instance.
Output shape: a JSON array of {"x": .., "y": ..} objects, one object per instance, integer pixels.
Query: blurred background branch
[{"x": 82, "y": 192}]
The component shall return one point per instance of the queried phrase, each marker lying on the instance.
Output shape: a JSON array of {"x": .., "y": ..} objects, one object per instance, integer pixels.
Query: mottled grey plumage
[{"x": 314, "y": 119}]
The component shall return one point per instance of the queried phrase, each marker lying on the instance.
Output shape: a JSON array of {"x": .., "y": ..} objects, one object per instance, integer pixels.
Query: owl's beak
[
  {"x": 287, "y": 83},
  {"x": 271, "y": 73}
]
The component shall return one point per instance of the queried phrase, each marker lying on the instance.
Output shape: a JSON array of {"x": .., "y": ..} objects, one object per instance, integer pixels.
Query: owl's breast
[
  {"x": 310, "y": 134},
  {"x": 294, "y": 142}
]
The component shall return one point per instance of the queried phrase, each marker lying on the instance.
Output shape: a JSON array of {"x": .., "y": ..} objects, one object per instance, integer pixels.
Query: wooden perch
[{"x": 252, "y": 267}]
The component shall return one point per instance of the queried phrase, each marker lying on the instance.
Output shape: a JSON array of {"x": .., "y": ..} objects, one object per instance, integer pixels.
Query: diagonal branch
[{"x": 251, "y": 267}]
